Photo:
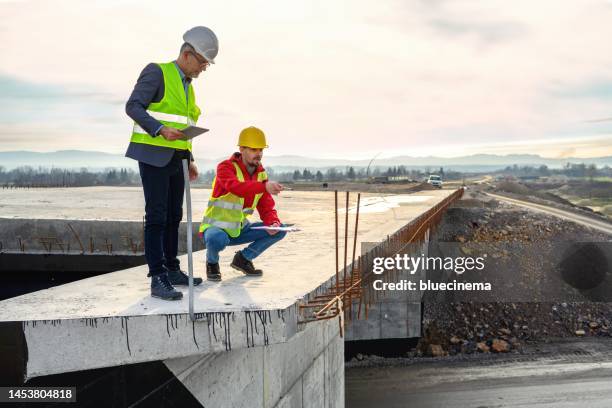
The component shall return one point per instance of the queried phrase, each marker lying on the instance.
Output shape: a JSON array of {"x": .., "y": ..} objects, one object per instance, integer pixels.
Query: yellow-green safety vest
[
  {"x": 174, "y": 110},
  {"x": 226, "y": 211}
]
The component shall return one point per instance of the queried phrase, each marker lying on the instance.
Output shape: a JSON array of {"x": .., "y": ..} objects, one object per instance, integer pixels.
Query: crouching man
[{"x": 240, "y": 186}]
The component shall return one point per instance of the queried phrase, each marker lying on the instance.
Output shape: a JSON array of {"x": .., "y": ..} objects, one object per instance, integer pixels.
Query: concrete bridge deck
[{"x": 111, "y": 320}]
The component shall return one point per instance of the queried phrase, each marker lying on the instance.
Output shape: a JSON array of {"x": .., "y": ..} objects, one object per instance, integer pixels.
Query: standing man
[
  {"x": 162, "y": 103},
  {"x": 240, "y": 186}
]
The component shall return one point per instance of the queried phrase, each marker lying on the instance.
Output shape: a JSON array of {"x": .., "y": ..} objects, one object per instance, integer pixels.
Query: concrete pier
[
  {"x": 306, "y": 371},
  {"x": 397, "y": 314}
]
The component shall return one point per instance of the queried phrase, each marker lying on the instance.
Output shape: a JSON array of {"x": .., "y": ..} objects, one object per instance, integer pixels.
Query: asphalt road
[{"x": 576, "y": 378}]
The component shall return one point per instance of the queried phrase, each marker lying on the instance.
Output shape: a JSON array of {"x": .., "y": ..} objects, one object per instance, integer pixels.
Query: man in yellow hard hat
[{"x": 240, "y": 186}]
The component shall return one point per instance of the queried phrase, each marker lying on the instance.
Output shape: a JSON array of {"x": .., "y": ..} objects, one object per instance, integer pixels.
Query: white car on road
[{"x": 435, "y": 180}]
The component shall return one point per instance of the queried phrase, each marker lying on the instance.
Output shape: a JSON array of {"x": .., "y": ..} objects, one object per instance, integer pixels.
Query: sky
[{"x": 345, "y": 79}]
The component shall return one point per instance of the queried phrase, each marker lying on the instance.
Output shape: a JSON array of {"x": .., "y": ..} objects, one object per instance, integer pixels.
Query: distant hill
[
  {"x": 477, "y": 162},
  {"x": 65, "y": 159}
]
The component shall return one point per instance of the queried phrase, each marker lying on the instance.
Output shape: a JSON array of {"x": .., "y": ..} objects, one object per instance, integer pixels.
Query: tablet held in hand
[{"x": 192, "y": 131}]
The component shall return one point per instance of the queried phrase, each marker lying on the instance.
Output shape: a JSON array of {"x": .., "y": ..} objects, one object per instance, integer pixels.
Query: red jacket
[{"x": 227, "y": 181}]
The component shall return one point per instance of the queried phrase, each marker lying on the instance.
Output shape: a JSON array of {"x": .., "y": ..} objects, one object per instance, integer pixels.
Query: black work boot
[
  {"x": 163, "y": 289},
  {"x": 180, "y": 278},
  {"x": 212, "y": 272},
  {"x": 244, "y": 265}
]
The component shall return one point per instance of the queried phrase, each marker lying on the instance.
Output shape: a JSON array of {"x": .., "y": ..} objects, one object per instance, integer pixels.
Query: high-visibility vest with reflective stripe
[
  {"x": 226, "y": 211},
  {"x": 174, "y": 110}
]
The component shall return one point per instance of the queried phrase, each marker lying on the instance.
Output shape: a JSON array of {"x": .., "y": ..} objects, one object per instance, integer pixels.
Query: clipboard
[
  {"x": 285, "y": 228},
  {"x": 192, "y": 131}
]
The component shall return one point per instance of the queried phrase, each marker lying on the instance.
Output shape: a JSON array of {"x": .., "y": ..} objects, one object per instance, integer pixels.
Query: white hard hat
[{"x": 204, "y": 41}]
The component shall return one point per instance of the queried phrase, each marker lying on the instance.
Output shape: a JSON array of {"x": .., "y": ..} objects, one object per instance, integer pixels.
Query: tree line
[
  {"x": 569, "y": 169},
  {"x": 349, "y": 173},
  {"x": 28, "y": 176}
]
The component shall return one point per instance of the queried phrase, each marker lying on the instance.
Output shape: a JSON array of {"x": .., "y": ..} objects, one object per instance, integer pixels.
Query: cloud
[
  {"x": 319, "y": 77},
  {"x": 13, "y": 87},
  {"x": 29, "y": 103},
  {"x": 594, "y": 89},
  {"x": 488, "y": 32},
  {"x": 17, "y": 88}
]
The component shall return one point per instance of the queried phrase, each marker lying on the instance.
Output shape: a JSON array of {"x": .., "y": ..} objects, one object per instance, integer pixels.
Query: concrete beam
[
  {"x": 79, "y": 236},
  {"x": 306, "y": 371}
]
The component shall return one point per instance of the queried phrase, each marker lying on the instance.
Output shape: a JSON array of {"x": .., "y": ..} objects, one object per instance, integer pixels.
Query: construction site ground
[
  {"x": 293, "y": 268},
  {"x": 508, "y": 353}
]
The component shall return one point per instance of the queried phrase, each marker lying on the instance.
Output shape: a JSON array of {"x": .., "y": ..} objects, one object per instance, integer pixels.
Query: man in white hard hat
[{"x": 161, "y": 104}]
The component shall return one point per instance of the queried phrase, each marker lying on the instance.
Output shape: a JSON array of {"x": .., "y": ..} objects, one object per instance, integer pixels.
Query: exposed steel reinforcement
[{"x": 352, "y": 286}]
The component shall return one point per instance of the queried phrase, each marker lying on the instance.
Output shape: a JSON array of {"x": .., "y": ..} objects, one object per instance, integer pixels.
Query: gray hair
[{"x": 187, "y": 47}]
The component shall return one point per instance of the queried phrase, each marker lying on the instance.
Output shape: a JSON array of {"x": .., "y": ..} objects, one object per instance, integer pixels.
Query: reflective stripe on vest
[
  {"x": 221, "y": 224},
  {"x": 168, "y": 117},
  {"x": 227, "y": 212},
  {"x": 226, "y": 205},
  {"x": 174, "y": 110}
]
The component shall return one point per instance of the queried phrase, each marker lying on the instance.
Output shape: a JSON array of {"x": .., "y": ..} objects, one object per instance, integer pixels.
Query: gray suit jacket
[{"x": 148, "y": 89}]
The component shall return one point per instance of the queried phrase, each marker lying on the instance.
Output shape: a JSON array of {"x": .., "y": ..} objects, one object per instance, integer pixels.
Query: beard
[{"x": 254, "y": 162}]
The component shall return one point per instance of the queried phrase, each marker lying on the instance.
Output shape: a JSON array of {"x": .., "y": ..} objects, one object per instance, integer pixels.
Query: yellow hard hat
[{"x": 252, "y": 137}]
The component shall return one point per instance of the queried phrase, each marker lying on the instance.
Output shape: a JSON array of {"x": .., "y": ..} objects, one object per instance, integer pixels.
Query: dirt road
[
  {"x": 567, "y": 215},
  {"x": 567, "y": 374}
]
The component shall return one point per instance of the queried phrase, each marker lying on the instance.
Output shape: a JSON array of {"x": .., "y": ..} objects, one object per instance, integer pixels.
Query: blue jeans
[{"x": 216, "y": 240}]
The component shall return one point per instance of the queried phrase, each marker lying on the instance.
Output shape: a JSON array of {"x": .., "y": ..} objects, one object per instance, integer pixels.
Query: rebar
[
  {"x": 109, "y": 246},
  {"x": 77, "y": 238},
  {"x": 350, "y": 299},
  {"x": 359, "y": 285},
  {"x": 344, "y": 265},
  {"x": 337, "y": 263}
]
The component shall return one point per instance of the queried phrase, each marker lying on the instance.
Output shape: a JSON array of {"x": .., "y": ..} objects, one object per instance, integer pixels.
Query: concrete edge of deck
[
  {"x": 136, "y": 339},
  {"x": 86, "y": 342}
]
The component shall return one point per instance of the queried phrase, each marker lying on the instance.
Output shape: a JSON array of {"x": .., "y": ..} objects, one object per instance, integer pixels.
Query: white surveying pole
[{"x": 189, "y": 236}]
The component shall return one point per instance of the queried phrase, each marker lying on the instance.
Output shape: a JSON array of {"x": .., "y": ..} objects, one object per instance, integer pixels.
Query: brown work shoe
[
  {"x": 212, "y": 272},
  {"x": 244, "y": 265}
]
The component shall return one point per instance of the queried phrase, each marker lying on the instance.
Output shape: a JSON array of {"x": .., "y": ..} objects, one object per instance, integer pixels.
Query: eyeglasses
[{"x": 201, "y": 61}]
